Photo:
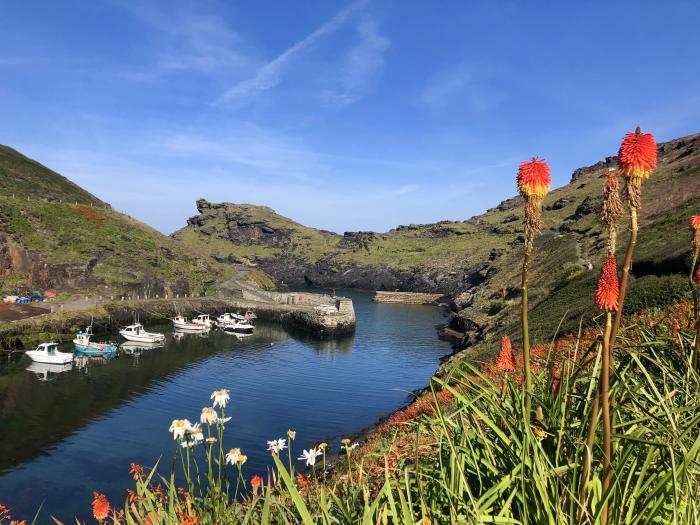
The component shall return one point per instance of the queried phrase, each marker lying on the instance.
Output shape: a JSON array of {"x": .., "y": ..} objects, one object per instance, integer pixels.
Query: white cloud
[
  {"x": 461, "y": 86},
  {"x": 186, "y": 38},
  {"x": 270, "y": 74},
  {"x": 361, "y": 64}
]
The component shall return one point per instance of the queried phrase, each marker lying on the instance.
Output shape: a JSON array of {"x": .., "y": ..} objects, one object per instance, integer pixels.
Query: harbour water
[{"x": 66, "y": 435}]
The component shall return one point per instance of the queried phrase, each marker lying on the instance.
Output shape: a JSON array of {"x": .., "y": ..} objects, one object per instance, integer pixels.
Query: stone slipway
[
  {"x": 407, "y": 297},
  {"x": 336, "y": 318}
]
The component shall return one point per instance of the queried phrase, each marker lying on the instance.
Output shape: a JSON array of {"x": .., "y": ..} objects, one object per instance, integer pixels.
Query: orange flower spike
[
  {"x": 534, "y": 178},
  {"x": 505, "y": 362},
  {"x": 695, "y": 222},
  {"x": 100, "y": 506},
  {"x": 607, "y": 295},
  {"x": 637, "y": 155}
]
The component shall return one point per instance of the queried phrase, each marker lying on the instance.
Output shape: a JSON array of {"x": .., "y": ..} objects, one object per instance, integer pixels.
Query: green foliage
[{"x": 655, "y": 291}]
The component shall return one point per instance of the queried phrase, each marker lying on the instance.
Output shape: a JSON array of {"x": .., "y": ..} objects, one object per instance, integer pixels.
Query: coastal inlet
[{"x": 70, "y": 433}]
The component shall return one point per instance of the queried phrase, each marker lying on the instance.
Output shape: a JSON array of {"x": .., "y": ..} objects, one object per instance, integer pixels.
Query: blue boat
[{"x": 83, "y": 345}]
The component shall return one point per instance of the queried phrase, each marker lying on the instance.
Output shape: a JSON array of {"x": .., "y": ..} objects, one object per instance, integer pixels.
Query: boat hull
[
  {"x": 98, "y": 350},
  {"x": 239, "y": 329},
  {"x": 143, "y": 338},
  {"x": 61, "y": 358}
]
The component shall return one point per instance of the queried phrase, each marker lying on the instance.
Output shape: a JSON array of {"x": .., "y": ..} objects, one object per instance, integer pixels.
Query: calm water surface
[{"x": 77, "y": 432}]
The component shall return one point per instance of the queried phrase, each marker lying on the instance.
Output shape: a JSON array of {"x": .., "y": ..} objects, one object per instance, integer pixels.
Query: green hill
[
  {"x": 55, "y": 234},
  {"x": 477, "y": 261}
]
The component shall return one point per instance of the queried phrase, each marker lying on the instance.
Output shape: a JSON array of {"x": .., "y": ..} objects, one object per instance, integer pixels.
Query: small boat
[
  {"x": 182, "y": 324},
  {"x": 203, "y": 320},
  {"x": 135, "y": 332},
  {"x": 236, "y": 323},
  {"x": 240, "y": 327},
  {"x": 83, "y": 345},
  {"x": 47, "y": 372},
  {"x": 47, "y": 353}
]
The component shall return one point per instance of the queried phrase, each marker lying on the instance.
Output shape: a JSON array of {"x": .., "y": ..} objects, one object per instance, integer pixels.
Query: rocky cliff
[{"x": 477, "y": 260}]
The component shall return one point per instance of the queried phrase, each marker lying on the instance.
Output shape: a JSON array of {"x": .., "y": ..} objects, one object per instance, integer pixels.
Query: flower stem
[
  {"x": 607, "y": 421},
  {"x": 695, "y": 358},
  {"x": 526, "y": 328}
]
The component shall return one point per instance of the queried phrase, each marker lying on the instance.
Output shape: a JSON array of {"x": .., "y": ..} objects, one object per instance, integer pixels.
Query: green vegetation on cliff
[{"x": 55, "y": 234}]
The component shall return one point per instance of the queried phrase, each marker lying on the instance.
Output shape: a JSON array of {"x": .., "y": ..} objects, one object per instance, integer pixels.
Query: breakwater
[
  {"x": 406, "y": 297},
  {"x": 336, "y": 318}
]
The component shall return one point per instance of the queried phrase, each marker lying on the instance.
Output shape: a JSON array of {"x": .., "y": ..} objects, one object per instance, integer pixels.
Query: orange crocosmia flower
[
  {"x": 534, "y": 178},
  {"x": 132, "y": 496},
  {"x": 100, "y": 506},
  {"x": 607, "y": 295},
  {"x": 505, "y": 362},
  {"x": 695, "y": 222},
  {"x": 136, "y": 471},
  {"x": 637, "y": 155}
]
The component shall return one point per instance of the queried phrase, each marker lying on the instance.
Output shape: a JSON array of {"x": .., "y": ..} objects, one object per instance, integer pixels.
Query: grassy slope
[{"x": 46, "y": 213}]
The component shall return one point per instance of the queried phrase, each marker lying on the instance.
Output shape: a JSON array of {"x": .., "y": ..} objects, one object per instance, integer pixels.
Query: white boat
[
  {"x": 203, "y": 320},
  {"x": 182, "y": 324},
  {"x": 136, "y": 332},
  {"x": 228, "y": 318},
  {"x": 48, "y": 353},
  {"x": 46, "y": 372},
  {"x": 239, "y": 327}
]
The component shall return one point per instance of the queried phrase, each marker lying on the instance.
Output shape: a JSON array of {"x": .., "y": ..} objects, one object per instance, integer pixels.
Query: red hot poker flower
[
  {"x": 255, "y": 482},
  {"x": 534, "y": 178},
  {"x": 607, "y": 295},
  {"x": 637, "y": 155},
  {"x": 100, "y": 506},
  {"x": 505, "y": 362},
  {"x": 695, "y": 222}
]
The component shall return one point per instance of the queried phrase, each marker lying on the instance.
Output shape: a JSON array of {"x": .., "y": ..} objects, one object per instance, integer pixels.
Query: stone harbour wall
[{"x": 406, "y": 297}]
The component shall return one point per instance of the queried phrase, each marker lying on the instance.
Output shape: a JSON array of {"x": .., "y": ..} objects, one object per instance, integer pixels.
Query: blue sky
[{"x": 341, "y": 115}]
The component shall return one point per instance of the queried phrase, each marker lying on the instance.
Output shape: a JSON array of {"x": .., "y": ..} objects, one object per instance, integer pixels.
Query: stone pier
[{"x": 406, "y": 297}]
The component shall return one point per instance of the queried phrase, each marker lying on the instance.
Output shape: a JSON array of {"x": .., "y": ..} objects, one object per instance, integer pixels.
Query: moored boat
[
  {"x": 203, "y": 320},
  {"x": 182, "y": 324},
  {"x": 136, "y": 332},
  {"x": 48, "y": 353},
  {"x": 84, "y": 346},
  {"x": 239, "y": 327}
]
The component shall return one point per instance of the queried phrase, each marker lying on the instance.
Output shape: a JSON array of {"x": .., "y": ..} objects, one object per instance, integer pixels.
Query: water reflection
[{"x": 48, "y": 372}]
